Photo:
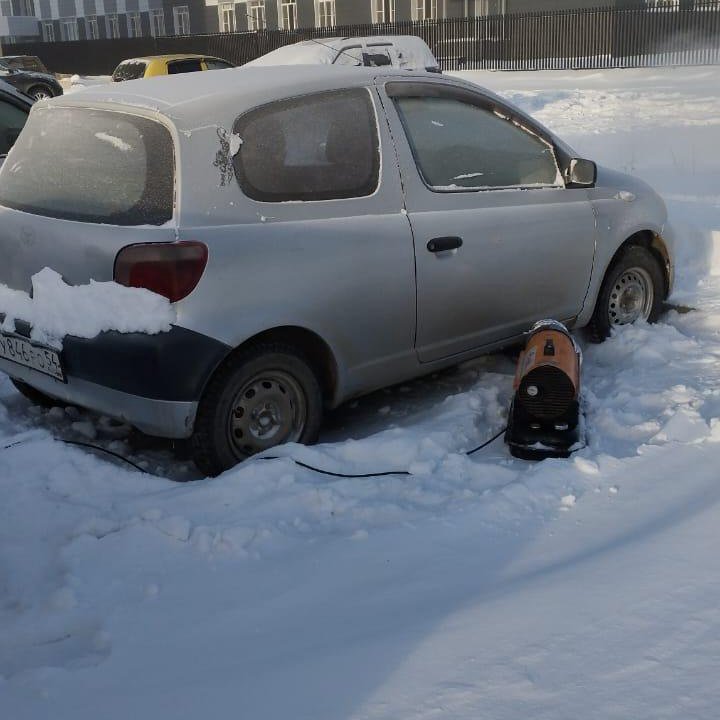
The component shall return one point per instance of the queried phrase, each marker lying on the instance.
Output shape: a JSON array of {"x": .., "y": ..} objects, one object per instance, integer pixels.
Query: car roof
[
  {"x": 188, "y": 94},
  {"x": 175, "y": 56},
  {"x": 339, "y": 42},
  {"x": 191, "y": 101}
]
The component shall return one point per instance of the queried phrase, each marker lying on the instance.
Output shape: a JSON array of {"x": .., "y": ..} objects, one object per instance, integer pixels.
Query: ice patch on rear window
[
  {"x": 57, "y": 309},
  {"x": 114, "y": 141}
]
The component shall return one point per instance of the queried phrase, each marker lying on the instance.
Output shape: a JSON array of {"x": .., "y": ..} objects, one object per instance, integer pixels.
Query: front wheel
[
  {"x": 633, "y": 289},
  {"x": 264, "y": 396},
  {"x": 40, "y": 92}
]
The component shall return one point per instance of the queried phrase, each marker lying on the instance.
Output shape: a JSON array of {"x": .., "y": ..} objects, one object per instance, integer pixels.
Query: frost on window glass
[
  {"x": 459, "y": 146},
  {"x": 315, "y": 147}
]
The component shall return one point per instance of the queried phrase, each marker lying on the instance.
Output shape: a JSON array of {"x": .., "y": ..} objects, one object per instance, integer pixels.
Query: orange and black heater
[{"x": 545, "y": 416}]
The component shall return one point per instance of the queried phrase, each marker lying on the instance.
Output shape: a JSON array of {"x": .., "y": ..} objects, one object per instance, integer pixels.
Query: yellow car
[{"x": 144, "y": 67}]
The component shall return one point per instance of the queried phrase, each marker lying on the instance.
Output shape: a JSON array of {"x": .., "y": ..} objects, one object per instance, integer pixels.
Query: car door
[{"x": 499, "y": 240}]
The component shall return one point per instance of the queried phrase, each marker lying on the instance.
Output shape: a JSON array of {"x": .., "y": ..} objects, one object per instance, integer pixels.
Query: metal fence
[{"x": 583, "y": 39}]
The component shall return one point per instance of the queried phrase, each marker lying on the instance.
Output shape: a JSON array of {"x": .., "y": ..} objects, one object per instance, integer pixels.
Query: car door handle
[{"x": 441, "y": 244}]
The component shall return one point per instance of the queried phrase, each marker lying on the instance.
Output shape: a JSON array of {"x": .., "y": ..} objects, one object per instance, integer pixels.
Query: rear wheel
[
  {"x": 264, "y": 396},
  {"x": 35, "y": 396},
  {"x": 633, "y": 290}
]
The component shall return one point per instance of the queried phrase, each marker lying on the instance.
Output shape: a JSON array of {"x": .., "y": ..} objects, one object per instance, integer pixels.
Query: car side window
[
  {"x": 184, "y": 66},
  {"x": 460, "y": 146},
  {"x": 12, "y": 121},
  {"x": 323, "y": 146},
  {"x": 213, "y": 64}
]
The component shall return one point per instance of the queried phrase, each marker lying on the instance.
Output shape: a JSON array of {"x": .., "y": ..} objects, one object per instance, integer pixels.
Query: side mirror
[{"x": 581, "y": 174}]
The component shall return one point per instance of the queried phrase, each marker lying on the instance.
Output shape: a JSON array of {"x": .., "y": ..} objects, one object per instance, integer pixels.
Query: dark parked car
[
  {"x": 37, "y": 85},
  {"x": 14, "y": 109}
]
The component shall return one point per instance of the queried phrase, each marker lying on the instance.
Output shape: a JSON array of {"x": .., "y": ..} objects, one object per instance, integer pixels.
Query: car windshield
[{"x": 96, "y": 167}]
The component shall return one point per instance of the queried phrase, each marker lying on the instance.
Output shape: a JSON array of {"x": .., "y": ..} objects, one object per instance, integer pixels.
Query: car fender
[{"x": 626, "y": 210}]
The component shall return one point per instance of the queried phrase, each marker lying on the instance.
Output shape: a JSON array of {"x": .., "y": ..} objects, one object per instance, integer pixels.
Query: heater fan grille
[{"x": 546, "y": 392}]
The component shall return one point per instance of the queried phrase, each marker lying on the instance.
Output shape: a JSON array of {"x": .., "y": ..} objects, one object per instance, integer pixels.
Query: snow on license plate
[{"x": 38, "y": 358}]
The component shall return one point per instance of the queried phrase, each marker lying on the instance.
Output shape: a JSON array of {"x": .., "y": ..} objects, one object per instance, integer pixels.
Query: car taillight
[{"x": 169, "y": 269}]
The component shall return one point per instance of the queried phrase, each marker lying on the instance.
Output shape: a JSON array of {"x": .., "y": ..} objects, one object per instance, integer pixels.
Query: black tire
[
  {"x": 264, "y": 395},
  {"x": 35, "y": 396},
  {"x": 40, "y": 91},
  {"x": 636, "y": 260}
]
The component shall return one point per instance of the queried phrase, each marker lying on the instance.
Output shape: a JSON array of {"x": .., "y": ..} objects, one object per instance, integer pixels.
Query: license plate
[{"x": 27, "y": 354}]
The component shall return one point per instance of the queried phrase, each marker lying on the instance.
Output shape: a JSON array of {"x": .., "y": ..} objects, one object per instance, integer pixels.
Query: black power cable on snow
[
  {"x": 299, "y": 463},
  {"x": 99, "y": 448},
  {"x": 77, "y": 443},
  {"x": 362, "y": 476}
]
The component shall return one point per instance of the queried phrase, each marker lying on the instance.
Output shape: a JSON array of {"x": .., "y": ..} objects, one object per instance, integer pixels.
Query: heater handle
[{"x": 443, "y": 244}]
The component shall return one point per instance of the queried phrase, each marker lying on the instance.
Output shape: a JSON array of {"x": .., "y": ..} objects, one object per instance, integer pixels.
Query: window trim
[
  {"x": 91, "y": 27},
  {"x": 399, "y": 89},
  {"x": 316, "y": 197},
  {"x": 180, "y": 14},
  {"x": 156, "y": 16},
  {"x": 282, "y": 5},
  {"x": 112, "y": 25}
]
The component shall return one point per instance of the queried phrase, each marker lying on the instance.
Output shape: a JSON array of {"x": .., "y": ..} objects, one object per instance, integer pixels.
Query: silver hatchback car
[{"x": 321, "y": 232}]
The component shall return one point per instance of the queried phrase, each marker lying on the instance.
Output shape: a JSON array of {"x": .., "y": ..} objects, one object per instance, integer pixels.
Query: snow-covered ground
[{"x": 478, "y": 587}]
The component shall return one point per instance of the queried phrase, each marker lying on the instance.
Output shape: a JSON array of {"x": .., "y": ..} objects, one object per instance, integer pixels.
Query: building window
[
  {"x": 133, "y": 22},
  {"x": 383, "y": 11},
  {"x": 227, "y": 17},
  {"x": 489, "y": 7},
  {"x": 287, "y": 12},
  {"x": 112, "y": 25},
  {"x": 325, "y": 13},
  {"x": 26, "y": 8},
  {"x": 157, "y": 22},
  {"x": 68, "y": 29},
  {"x": 91, "y": 27},
  {"x": 181, "y": 20},
  {"x": 663, "y": 4},
  {"x": 424, "y": 9},
  {"x": 48, "y": 30},
  {"x": 255, "y": 11}
]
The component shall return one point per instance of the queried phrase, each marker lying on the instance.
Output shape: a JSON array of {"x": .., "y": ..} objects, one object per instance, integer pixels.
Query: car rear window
[
  {"x": 315, "y": 147},
  {"x": 129, "y": 71},
  {"x": 90, "y": 165},
  {"x": 184, "y": 66}
]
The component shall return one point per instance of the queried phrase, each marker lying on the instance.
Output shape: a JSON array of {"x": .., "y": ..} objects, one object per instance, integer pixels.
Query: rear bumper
[{"x": 153, "y": 382}]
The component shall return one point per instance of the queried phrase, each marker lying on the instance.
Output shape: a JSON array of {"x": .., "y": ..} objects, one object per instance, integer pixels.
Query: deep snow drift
[{"x": 479, "y": 587}]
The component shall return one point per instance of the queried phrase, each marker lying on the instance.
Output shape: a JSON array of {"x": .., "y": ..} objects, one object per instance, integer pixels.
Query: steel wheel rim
[
  {"x": 269, "y": 410},
  {"x": 41, "y": 95},
  {"x": 632, "y": 297}
]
